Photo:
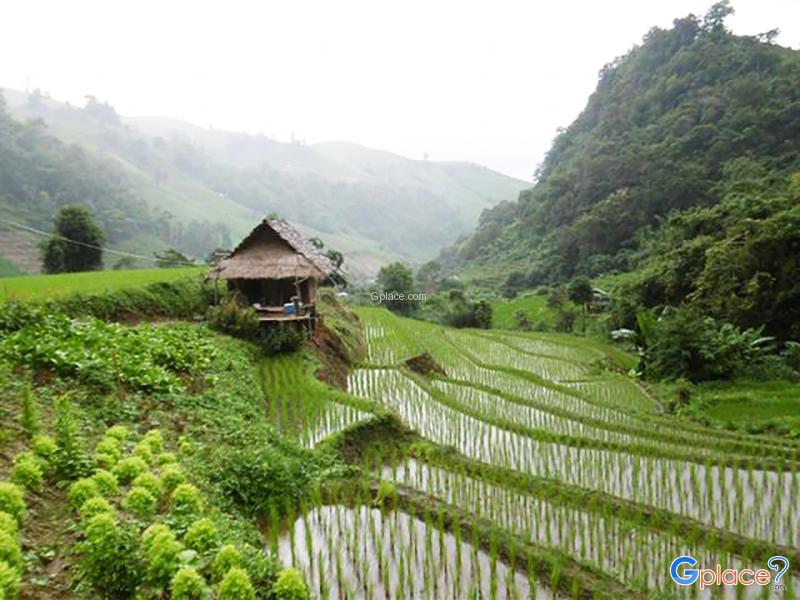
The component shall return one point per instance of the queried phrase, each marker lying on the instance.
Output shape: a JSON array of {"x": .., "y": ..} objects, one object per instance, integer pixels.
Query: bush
[
  {"x": 109, "y": 560},
  {"x": 109, "y": 445},
  {"x": 201, "y": 535},
  {"x": 106, "y": 482},
  {"x": 129, "y": 469},
  {"x": 150, "y": 482},
  {"x": 118, "y": 432},
  {"x": 10, "y": 551},
  {"x": 8, "y": 523},
  {"x": 12, "y": 501},
  {"x": 27, "y": 471},
  {"x": 227, "y": 558},
  {"x": 236, "y": 586},
  {"x": 234, "y": 320},
  {"x": 185, "y": 501},
  {"x": 80, "y": 491},
  {"x": 44, "y": 447},
  {"x": 154, "y": 439},
  {"x": 290, "y": 586},
  {"x": 282, "y": 338},
  {"x": 151, "y": 533},
  {"x": 95, "y": 506},
  {"x": 166, "y": 458},
  {"x": 71, "y": 459},
  {"x": 29, "y": 417},
  {"x": 9, "y": 581},
  {"x": 143, "y": 451},
  {"x": 140, "y": 503},
  {"x": 262, "y": 568},
  {"x": 187, "y": 584},
  {"x": 162, "y": 558},
  {"x": 682, "y": 343},
  {"x": 171, "y": 477}
]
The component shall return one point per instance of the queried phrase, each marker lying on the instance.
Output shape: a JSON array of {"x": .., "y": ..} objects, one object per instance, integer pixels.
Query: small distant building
[{"x": 278, "y": 271}]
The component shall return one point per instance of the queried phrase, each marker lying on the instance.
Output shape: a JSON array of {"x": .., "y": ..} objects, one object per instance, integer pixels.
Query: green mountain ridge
[
  {"x": 202, "y": 188},
  {"x": 678, "y": 183}
]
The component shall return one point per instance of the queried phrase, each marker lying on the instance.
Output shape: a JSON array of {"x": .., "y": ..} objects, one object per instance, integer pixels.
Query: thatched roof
[{"x": 274, "y": 250}]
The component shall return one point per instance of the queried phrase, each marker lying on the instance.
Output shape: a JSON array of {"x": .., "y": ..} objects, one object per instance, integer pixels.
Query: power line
[{"x": 86, "y": 245}]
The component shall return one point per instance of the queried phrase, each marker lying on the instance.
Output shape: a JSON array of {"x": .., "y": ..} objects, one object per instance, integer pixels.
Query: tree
[
  {"x": 428, "y": 275},
  {"x": 714, "y": 19},
  {"x": 171, "y": 258},
  {"x": 580, "y": 291},
  {"x": 396, "y": 282},
  {"x": 76, "y": 244}
]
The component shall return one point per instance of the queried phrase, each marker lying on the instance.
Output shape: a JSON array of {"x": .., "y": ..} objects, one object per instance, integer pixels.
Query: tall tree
[
  {"x": 77, "y": 242},
  {"x": 397, "y": 282}
]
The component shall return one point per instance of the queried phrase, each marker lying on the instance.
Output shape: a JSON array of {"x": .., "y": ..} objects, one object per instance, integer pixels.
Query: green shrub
[
  {"x": 166, "y": 458},
  {"x": 150, "y": 482},
  {"x": 10, "y": 551},
  {"x": 227, "y": 558},
  {"x": 109, "y": 445},
  {"x": 95, "y": 506},
  {"x": 162, "y": 558},
  {"x": 104, "y": 461},
  {"x": 143, "y": 451},
  {"x": 234, "y": 320},
  {"x": 290, "y": 585},
  {"x": 171, "y": 476},
  {"x": 12, "y": 501},
  {"x": 109, "y": 559},
  {"x": 44, "y": 447},
  {"x": 118, "y": 432},
  {"x": 140, "y": 503},
  {"x": 236, "y": 586},
  {"x": 129, "y": 468},
  {"x": 185, "y": 501},
  {"x": 262, "y": 568},
  {"x": 29, "y": 416},
  {"x": 9, "y": 581},
  {"x": 201, "y": 535},
  {"x": 8, "y": 523},
  {"x": 71, "y": 459},
  {"x": 154, "y": 440},
  {"x": 80, "y": 491},
  {"x": 281, "y": 339},
  {"x": 187, "y": 584},
  {"x": 151, "y": 533},
  {"x": 106, "y": 482},
  {"x": 27, "y": 471}
]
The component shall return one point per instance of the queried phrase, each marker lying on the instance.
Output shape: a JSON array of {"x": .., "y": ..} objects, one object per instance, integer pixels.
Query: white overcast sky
[{"x": 487, "y": 82}]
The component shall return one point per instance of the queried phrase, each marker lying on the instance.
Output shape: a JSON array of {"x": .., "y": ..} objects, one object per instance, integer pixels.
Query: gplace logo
[{"x": 683, "y": 572}]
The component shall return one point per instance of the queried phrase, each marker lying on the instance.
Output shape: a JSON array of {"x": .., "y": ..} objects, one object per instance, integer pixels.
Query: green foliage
[
  {"x": 12, "y": 501},
  {"x": 10, "y": 551},
  {"x": 282, "y": 338},
  {"x": 150, "y": 482},
  {"x": 29, "y": 417},
  {"x": 108, "y": 355},
  {"x": 187, "y": 584},
  {"x": 110, "y": 446},
  {"x": 172, "y": 258},
  {"x": 232, "y": 318},
  {"x": 290, "y": 585},
  {"x": 76, "y": 242},
  {"x": 140, "y": 502},
  {"x": 95, "y": 506},
  {"x": 27, "y": 471},
  {"x": 201, "y": 535},
  {"x": 227, "y": 558},
  {"x": 684, "y": 344},
  {"x": 397, "y": 282},
  {"x": 185, "y": 502},
  {"x": 236, "y": 586},
  {"x": 171, "y": 476},
  {"x": 109, "y": 558},
  {"x": 71, "y": 460},
  {"x": 45, "y": 447},
  {"x": 162, "y": 558},
  {"x": 9, "y": 581},
  {"x": 129, "y": 468},
  {"x": 81, "y": 490},
  {"x": 8, "y": 523},
  {"x": 118, "y": 432},
  {"x": 580, "y": 291}
]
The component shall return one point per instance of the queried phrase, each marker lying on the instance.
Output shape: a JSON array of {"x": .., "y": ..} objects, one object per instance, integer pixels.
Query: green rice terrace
[{"x": 165, "y": 460}]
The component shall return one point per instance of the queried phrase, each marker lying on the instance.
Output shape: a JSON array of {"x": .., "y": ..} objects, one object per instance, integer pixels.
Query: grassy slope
[
  {"x": 43, "y": 287},
  {"x": 535, "y": 308}
]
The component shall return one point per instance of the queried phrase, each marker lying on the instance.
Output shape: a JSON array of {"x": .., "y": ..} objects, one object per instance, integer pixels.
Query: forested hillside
[
  {"x": 682, "y": 173},
  {"x": 198, "y": 189}
]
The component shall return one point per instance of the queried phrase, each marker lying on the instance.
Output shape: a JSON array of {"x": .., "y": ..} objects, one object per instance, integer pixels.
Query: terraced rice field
[{"x": 543, "y": 439}]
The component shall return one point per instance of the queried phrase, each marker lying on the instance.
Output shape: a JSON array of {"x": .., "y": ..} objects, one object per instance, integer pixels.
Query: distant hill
[
  {"x": 681, "y": 178},
  {"x": 197, "y": 188}
]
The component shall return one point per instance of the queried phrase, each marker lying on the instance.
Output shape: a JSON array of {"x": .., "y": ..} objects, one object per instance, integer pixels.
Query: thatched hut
[{"x": 277, "y": 270}]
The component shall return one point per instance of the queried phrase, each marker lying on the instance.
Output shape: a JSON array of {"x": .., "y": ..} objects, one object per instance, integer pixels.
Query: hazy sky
[{"x": 485, "y": 81}]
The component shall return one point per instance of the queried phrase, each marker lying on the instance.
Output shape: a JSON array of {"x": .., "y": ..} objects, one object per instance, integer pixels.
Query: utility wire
[{"x": 85, "y": 245}]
